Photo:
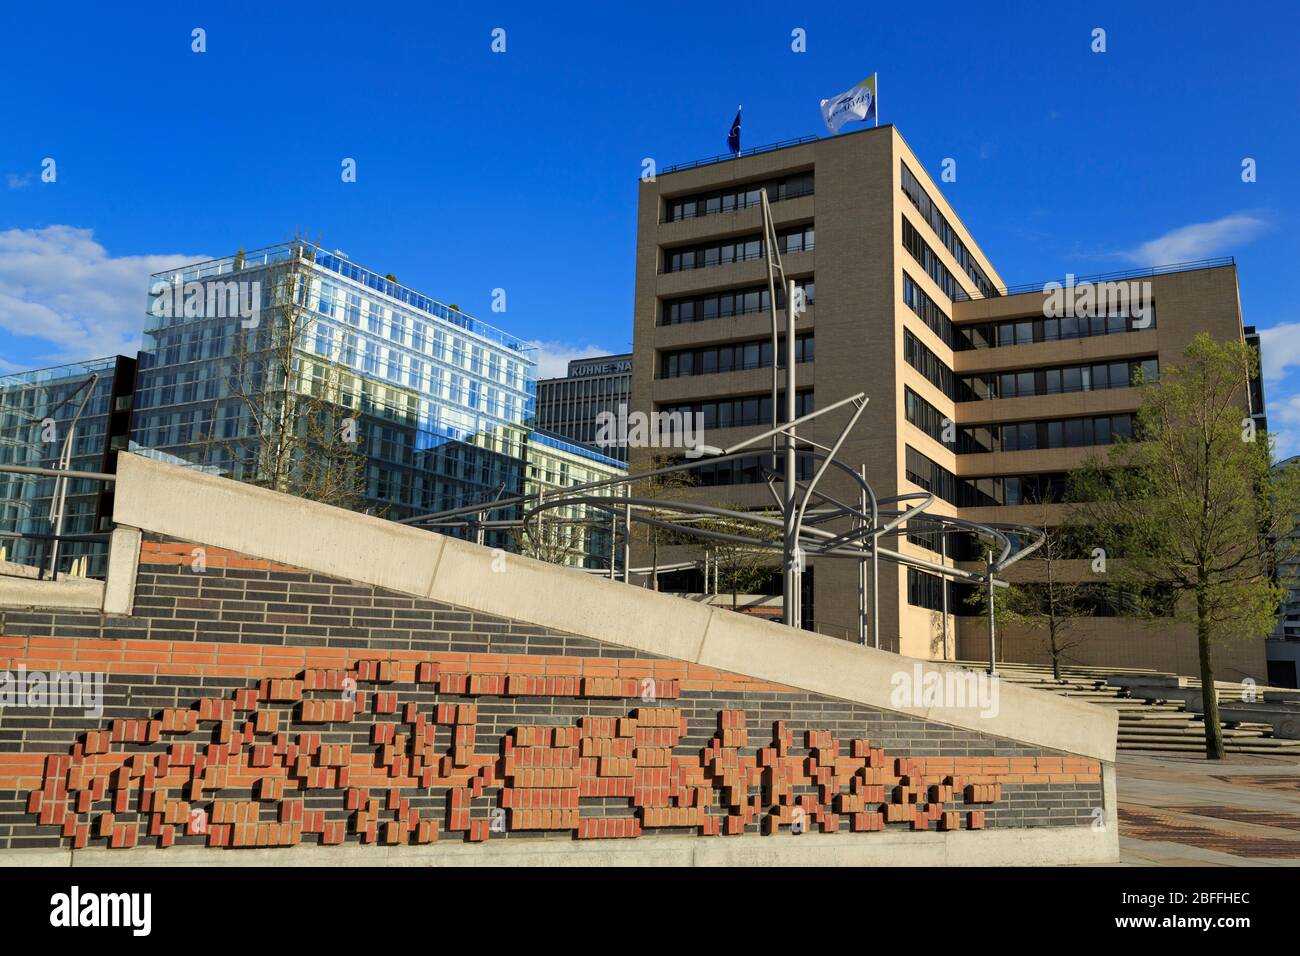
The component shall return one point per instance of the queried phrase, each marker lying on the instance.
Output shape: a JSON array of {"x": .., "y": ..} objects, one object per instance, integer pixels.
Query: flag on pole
[
  {"x": 733, "y": 137},
  {"x": 856, "y": 104}
]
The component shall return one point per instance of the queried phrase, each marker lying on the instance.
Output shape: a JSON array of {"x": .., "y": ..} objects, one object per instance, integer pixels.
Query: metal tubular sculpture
[{"x": 859, "y": 541}]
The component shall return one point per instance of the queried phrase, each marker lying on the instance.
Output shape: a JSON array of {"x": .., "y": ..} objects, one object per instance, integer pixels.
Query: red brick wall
[{"x": 325, "y": 744}]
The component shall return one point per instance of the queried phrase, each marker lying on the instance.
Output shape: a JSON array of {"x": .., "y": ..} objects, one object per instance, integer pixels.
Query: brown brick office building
[{"x": 903, "y": 305}]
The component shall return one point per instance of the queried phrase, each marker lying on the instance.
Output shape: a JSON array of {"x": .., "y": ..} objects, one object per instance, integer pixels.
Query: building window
[
  {"x": 947, "y": 235},
  {"x": 930, "y": 313},
  {"x": 1031, "y": 329},
  {"x": 721, "y": 305},
  {"x": 925, "y": 256},
  {"x": 741, "y": 411},
  {"x": 925, "y": 416},
  {"x": 1059, "y": 380},
  {"x": 930, "y": 365},
  {"x": 750, "y": 470},
  {"x": 735, "y": 250},
  {"x": 1036, "y": 435},
  {"x": 736, "y": 357},
  {"x": 738, "y": 197},
  {"x": 924, "y": 590}
]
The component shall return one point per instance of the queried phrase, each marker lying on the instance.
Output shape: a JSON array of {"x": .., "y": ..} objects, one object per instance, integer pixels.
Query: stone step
[
  {"x": 1198, "y": 748},
  {"x": 1260, "y": 744},
  {"x": 1150, "y": 724},
  {"x": 1189, "y": 731}
]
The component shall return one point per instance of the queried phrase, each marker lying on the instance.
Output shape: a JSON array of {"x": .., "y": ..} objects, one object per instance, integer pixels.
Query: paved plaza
[{"x": 1179, "y": 810}]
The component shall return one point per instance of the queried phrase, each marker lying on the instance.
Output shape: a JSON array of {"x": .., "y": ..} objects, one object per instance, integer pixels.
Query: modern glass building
[
  {"x": 37, "y": 413},
  {"x": 438, "y": 405},
  {"x": 572, "y": 406}
]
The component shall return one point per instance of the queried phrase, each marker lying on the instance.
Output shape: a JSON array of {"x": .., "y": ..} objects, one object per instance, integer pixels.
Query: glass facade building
[
  {"x": 37, "y": 410},
  {"x": 441, "y": 404}
]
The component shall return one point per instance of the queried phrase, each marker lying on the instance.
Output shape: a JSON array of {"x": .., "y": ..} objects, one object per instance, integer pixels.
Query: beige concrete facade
[{"x": 859, "y": 319}]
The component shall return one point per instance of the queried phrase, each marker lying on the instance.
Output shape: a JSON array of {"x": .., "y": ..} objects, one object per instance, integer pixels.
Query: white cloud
[
  {"x": 1279, "y": 349},
  {"x": 18, "y": 182},
  {"x": 59, "y": 285},
  {"x": 553, "y": 357},
  {"x": 1200, "y": 240},
  {"x": 1286, "y": 414}
]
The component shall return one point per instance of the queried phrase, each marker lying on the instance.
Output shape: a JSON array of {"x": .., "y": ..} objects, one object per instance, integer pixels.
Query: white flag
[{"x": 856, "y": 104}]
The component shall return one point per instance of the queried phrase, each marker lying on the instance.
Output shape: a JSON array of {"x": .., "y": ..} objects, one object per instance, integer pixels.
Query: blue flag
[{"x": 733, "y": 137}]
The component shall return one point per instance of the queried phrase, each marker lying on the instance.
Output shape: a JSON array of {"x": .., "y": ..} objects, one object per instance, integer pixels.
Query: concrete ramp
[{"x": 284, "y": 682}]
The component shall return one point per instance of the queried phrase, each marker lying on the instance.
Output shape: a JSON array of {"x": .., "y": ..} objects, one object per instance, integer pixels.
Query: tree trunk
[
  {"x": 654, "y": 560},
  {"x": 1056, "y": 652},
  {"x": 1209, "y": 699}
]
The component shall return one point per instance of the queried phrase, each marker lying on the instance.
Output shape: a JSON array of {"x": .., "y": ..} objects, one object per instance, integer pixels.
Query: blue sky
[{"x": 518, "y": 170}]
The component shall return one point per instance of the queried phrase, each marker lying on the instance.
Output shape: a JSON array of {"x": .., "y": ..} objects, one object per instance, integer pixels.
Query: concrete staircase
[{"x": 1151, "y": 725}]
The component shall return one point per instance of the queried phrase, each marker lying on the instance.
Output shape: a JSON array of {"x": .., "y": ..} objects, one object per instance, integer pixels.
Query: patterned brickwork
[{"x": 256, "y": 705}]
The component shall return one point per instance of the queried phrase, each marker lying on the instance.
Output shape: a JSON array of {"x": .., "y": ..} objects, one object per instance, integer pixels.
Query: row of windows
[
  {"x": 1042, "y": 381},
  {"x": 962, "y": 492},
  {"x": 721, "y": 305},
  {"x": 984, "y": 492},
  {"x": 961, "y": 546},
  {"x": 930, "y": 314},
  {"x": 926, "y": 417},
  {"x": 750, "y": 470},
  {"x": 928, "y": 364},
  {"x": 928, "y": 260},
  {"x": 947, "y": 235},
  {"x": 933, "y": 477},
  {"x": 1024, "y": 331},
  {"x": 732, "y": 358},
  {"x": 738, "y": 197},
  {"x": 1055, "y": 381},
  {"x": 1029, "y": 330},
  {"x": 368, "y": 315},
  {"x": 1061, "y": 433},
  {"x": 924, "y": 589},
  {"x": 1015, "y": 436},
  {"x": 194, "y": 355},
  {"x": 735, "y": 250},
  {"x": 741, "y": 412}
]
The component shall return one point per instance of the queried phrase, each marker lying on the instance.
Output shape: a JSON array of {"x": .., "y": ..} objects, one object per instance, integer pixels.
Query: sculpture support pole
[{"x": 793, "y": 556}]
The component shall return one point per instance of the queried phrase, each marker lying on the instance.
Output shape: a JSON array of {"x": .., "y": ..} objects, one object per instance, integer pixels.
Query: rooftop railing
[
  {"x": 962, "y": 296},
  {"x": 259, "y": 258},
  {"x": 723, "y": 157}
]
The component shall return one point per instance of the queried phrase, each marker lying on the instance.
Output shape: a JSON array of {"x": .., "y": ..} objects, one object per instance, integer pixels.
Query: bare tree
[
  {"x": 550, "y": 537},
  {"x": 660, "y": 487},
  {"x": 1052, "y": 598},
  {"x": 741, "y": 567}
]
